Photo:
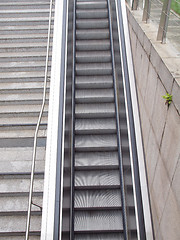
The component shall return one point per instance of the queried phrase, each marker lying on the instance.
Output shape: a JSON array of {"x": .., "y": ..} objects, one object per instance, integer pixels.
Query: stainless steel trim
[{"x": 47, "y": 226}]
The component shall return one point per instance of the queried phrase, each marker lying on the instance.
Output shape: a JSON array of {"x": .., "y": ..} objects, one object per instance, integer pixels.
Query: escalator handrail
[
  {"x": 140, "y": 176},
  {"x": 125, "y": 228}
]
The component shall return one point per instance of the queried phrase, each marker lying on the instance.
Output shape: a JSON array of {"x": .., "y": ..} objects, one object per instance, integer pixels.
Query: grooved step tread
[
  {"x": 99, "y": 95},
  {"x": 95, "y": 159},
  {"x": 98, "y": 221},
  {"x": 88, "y": 14},
  {"x": 86, "y": 126},
  {"x": 93, "y": 45},
  {"x": 91, "y": 5},
  {"x": 95, "y": 110},
  {"x": 95, "y": 142},
  {"x": 94, "y": 82},
  {"x": 90, "y": 24},
  {"x": 97, "y": 198},
  {"x": 92, "y": 34},
  {"x": 93, "y": 56},
  {"x": 97, "y": 178},
  {"x": 93, "y": 69}
]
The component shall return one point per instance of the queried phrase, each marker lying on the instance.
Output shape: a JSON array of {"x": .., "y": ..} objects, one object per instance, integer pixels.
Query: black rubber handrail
[
  {"x": 131, "y": 126},
  {"x": 125, "y": 231}
]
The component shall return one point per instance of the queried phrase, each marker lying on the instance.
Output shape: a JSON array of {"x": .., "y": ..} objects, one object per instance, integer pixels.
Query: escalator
[{"x": 98, "y": 191}]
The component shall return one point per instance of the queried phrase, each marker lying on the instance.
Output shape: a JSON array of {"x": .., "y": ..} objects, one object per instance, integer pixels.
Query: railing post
[
  {"x": 163, "y": 25},
  {"x": 135, "y": 4},
  {"x": 146, "y": 11}
]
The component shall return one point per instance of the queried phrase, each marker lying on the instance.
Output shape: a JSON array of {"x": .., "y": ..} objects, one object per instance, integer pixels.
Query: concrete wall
[{"x": 155, "y": 76}]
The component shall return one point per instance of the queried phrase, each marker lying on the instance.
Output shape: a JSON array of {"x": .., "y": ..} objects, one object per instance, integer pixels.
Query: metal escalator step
[
  {"x": 105, "y": 235},
  {"x": 96, "y": 142},
  {"x": 95, "y": 126},
  {"x": 90, "y": 96},
  {"x": 95, "y": 159},
  {"x": 97, "y": 199},
  {"x": 100, "y": 178},
  {"x": 92, "y": 24},
  {"x": 93, "y": 69},
  {"x": 93, "y": 56},
  {"x": 101, "y": 236},
  {"x": 96, "y": 221},
  {"x": 89, "y": 0},
  {"x": 92, "y": 45},
  {"x": 93, "y": 34},
  {"x": 94, "y": 82},
  {"x": 88, "y": 14},
  {"x": 96, "y": 178},
  {"x": 91, "y": 5},
  {"x": 95, "y": 110}
]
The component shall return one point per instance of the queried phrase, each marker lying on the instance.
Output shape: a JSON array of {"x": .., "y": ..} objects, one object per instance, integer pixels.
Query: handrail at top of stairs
[{"x": 38, "y": 124}]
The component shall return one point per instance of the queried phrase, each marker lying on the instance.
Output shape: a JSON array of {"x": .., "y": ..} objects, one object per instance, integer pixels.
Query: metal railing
[
  {"x": 30, "y": 203},
  {"x": 163, "y": 15}
]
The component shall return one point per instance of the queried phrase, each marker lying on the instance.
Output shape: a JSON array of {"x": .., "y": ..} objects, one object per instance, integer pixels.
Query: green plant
[{"x": 168, "y": 98}]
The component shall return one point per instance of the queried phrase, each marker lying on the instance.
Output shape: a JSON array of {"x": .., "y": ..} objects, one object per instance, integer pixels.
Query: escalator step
[
  {"x": 90, "y": 159},
  {"x": 100, "y": 236},
  {"x": 88, "y": 14},
  {"x": 94, "y": 82},
  {"x": 97, "y": 110},
  {"x": 92, "y": 24},
  {"x": 91, "y": 5},
  {"x": 97, "y": 178},
  {"x": 97, "y": 198},
  {"x": 95, "y": 126},
  {"x": 96, "y": 142},
  {"x": 93, "y": 56},
  {"x": 99, "y": 95},
  {"x": 92, "y": 221},
  {"x": 92, "y": 45},
  {"x": 93, "y": 34}
]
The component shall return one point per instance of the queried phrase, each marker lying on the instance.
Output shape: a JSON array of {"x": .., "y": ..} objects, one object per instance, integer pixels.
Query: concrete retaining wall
[{"x": 157, "y": 72}]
